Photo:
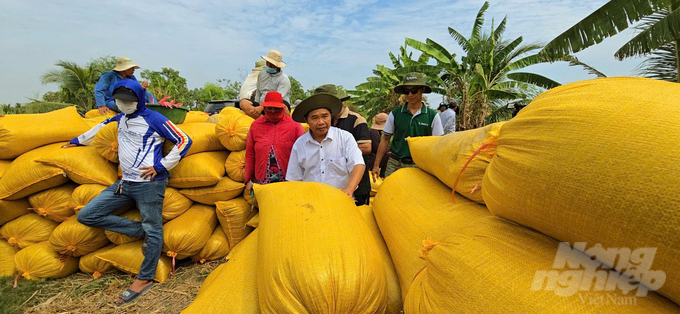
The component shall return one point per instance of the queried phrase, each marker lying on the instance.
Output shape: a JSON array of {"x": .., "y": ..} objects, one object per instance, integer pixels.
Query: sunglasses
[{"x": 411, "y": 91}]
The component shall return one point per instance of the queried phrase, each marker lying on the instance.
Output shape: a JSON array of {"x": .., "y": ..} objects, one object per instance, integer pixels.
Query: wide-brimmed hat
[
  {"x": 331, "y": 89},
  {"x": 379, "y": 121},
  {"x": 259, "y": 65},
  {"x": 273, "y": 99},
  {"x": 124, "y": 63},
  {"x": 274, "y": 57},
  {"x": 124, "y": 93},
  {"x": 413, "y": 79},
  {"x": 314, "y": 102}
]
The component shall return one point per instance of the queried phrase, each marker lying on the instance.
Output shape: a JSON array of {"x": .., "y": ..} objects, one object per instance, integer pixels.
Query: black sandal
[{"x": 128, "y": 296}]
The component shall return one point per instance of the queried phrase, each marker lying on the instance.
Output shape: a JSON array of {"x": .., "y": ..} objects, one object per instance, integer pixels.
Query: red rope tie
[{"x": 455, "y": 184}]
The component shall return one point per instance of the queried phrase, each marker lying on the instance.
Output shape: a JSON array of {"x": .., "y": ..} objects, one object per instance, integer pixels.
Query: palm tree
[
  {"x": 76, "y": 83},
  {"x": 659, "y": 35}
]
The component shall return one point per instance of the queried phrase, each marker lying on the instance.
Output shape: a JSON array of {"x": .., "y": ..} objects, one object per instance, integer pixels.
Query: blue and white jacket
[{"x": 140, "y": 139}]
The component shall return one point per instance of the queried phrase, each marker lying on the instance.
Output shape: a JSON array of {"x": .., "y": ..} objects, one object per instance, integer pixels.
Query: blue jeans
[{"x": 149, "y": 197}]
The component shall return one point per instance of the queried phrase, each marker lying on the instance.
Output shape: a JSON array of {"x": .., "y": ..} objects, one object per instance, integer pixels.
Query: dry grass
[{"x": 78, "y": 293}]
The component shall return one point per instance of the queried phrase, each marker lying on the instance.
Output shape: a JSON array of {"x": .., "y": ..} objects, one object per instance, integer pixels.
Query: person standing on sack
[
  {"x": 269, "y": 143},
  {"x": 271, "y": 79},
  {"x": 141, "y": 133},
  {"x": 103, "y": 90},
  {"x": 448, "y": 117},
  {"x": 325, "y": 154},
  {"x": 376, "y": 133},
  {"x": 409, "y": 120}
]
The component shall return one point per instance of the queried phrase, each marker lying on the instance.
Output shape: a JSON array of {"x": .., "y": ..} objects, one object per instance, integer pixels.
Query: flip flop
[{"x": 128, "y": 296}]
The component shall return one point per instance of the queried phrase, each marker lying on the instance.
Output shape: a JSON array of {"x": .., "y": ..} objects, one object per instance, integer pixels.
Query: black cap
[
  {"x": 443, "y": 104},
  {"x": 124, "y": 93}
]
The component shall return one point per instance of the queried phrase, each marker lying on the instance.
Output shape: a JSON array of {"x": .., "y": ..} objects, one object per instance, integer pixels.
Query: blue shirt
[{"x": 104, "y": 88}]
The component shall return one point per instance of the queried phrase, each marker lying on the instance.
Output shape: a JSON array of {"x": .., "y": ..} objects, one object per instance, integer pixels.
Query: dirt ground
[{"x": 79, "y": 293}]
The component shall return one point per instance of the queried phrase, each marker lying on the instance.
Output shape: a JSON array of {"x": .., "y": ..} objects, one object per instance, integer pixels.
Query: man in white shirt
[
  {"x": 448, "y": 117},
  {"x": 270, "y": 79},
  {"x": 325, "y": 154}
]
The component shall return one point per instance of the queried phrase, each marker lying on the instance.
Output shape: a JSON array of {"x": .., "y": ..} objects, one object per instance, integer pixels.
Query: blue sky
[{"x": 322, "y": 42}]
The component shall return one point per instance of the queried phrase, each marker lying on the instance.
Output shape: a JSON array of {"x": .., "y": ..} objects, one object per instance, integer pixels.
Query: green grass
[{"x": 12, "y": 300}]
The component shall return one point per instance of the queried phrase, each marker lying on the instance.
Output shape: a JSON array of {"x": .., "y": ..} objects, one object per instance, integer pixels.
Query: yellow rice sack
[
  {"x": 214, "y": 118},
  {"x": 581, "y": 163},
  {"x": 75, "y": 239},
  {"x": 445, "y": 156},
  {"x": 198, "y": 170},
  {"x": 38, "y": 261},
  {"x": 254, "y": 222},
  {"x": 83, "y": 165},
  {"x": 496, "y": 266},
  {"x": 203, "y": 138},
  {"x": 305, "y": 126},
  {"x": 231, "y": 110},
  {"x": 90, "y": 264},
  {"x": 54, "y": 203},
  {"x": 119, "y": 238},
  {"x": 195, "y": 117},
  {"x": 94, "y": 113},
  {"x": 187, "y": 234},
  {"x": 25, "y": 176},
  {"x": 225, "y": 190},
  {"x": 128, "y": 257},
  {"x": 7, "y": 252},
  {"x": 394, "y": 303},
  {"x": 20, "y": 133},
  {"x": 337, "y": 267},
  {"x": 233, "y": 216},
  {"x": 174, "y": 204},
  {"x": 85, "y": 193},
  {"x": 10, "y": 210},
  {"x": 232, "y": 287},
  {"x": 4, "y": 164},
  {"x": 27, "y": 229},
  {"x": 232, "y": 130},
  {"x": 106, "y": 142},
  {"x": 413, "y": 205},
  {"x": 217, "y": 247},
  {"x": 247, "y": 197},
  {"x": 375, "y": 186},
  {"x": 236, "y": 165}
]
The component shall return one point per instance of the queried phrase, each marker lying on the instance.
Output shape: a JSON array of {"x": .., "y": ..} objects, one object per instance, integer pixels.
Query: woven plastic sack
[
  {"x": 54, "y": 203},
  {"x": 203, "y": 138},
  {"x": 236, "y": 165},
  {"x": 254, "y": 222},
  {"x": 214, "y": 118},
  {"x": 217, "y": 247},
  {"x": 233, "y": 216},
  {"x": 10, "y": 210},
  {"x": 187, "y": 234},
  {"x": 581, "y": 164},
  {"x": 231, "y": 110},
  {"x": 337, "y": 263},
  {"x": 75, "y": 239},
  {"x": 119, "y": 238},
  {"x": 195, "y": 117},
  {"x": 85, "y": 193},
  {"x": 7, "y": 252},
  {"x": 225, "y": 190},
  {"x": 493, "y": 266},
  {"x": 25, "y": 176},
  {"x": 174, "y": 204},
  {"x": 128, "y": 257},
  {"x": 232, "y": 287},
  {"x": 90, "y": 264},
  {"x": 94, "y": 113},
  {"x": 38, "y": 261},
  {"x": 198, "y": 170},
  {"x": 247, "y": 197},
  {"x": 232, "y": 130},
  {"x": 27, "y": 229},
  {"x": 375, "y": 186},
  {"x": 4, "y": 164},
  {"x": 413, "y": 205},
  {"x": 445, "y": 156},
  {"x": 394, "y": 303},
  {"x": 20, "y": 133},
  {"x": 82, "y": 164},
  {"x": 106, "y": 142},
  {"x": 305, "y": 126}
]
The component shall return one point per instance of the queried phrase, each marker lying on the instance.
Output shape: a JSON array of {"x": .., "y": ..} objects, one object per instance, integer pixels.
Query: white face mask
[{"x": 126, "y": 107}]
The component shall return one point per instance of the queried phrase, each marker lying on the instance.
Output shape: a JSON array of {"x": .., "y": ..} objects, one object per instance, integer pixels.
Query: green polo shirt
[{"x": 408, "y": 125}]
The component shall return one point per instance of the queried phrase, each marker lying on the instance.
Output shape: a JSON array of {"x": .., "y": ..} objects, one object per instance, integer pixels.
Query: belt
[{"x": 406, "y": 160}]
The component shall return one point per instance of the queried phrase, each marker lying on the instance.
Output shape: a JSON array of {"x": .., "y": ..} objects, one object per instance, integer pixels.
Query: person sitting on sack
[
  {"x": 141, "y": 133},
  {"x": 409, "y": 120},
  {"x": 103, "y": 90},
  {"x": 271, "y": 79},
  {"x": 249, "y": 86},
  {"x": 325, "y": 154},
  {"x": 269, "y": 143}
]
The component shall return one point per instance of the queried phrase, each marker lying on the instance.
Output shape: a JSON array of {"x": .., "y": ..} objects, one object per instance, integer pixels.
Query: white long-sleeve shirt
[
  {"x": 449, "y": 120},
  {"x": 330, "y": 162}
]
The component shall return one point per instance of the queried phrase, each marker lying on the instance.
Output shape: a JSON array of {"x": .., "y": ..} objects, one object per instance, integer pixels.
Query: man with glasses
[{"x": 409, "y": 120}]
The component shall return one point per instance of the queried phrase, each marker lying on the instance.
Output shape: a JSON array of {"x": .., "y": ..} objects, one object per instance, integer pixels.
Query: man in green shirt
[{"x": 409, "y": 120}]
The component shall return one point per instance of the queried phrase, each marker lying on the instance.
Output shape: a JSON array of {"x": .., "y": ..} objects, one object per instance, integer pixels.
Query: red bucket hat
[{"x": 273, "y": 99}]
